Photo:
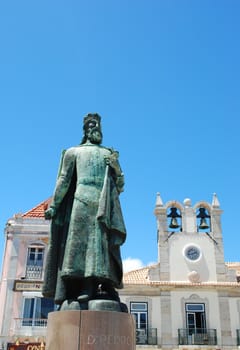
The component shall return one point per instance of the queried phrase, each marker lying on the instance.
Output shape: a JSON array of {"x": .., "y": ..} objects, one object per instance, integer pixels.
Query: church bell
[
  {"x": 203, "y": 224},
  {"x": 203, "y": 215},
  {"x": 174, "y": 215},
  {"x": 174, "y": 223}
]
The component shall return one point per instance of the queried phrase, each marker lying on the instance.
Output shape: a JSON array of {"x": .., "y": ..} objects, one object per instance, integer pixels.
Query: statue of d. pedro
[{"x": 87, "y": 226}]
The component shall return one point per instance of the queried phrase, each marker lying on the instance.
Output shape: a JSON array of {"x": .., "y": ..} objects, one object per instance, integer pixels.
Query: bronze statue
[{"x": 87, "y": 227}]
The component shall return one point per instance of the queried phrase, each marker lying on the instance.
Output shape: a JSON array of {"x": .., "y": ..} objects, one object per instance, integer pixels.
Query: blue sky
[{"x": 163, "y": 74}]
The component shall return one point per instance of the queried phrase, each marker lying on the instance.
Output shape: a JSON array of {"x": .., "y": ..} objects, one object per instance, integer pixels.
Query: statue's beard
[{"x": 95, "y": 136}]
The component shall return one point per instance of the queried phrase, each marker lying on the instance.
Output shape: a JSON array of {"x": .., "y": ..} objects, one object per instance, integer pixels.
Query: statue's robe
[{"x": 88, "y": 228}]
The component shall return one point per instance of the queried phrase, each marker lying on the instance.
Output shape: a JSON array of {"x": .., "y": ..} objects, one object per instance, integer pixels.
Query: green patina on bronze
[{"x": 87, "y": 226}]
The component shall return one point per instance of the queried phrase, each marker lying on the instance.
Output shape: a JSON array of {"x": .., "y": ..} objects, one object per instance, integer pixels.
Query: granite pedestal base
[{"x": 90, "y": 330}]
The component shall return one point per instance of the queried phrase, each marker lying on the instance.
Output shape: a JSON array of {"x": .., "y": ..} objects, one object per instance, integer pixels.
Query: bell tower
[{"x": 190, "y": 246}]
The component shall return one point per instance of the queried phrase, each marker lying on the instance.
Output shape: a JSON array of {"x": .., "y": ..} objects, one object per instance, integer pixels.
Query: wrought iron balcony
[
  {"x": 34, "y": 272},
  {"x": 197, "y": 336},
  {"x": 30, "y": 322},
  {"x": 146, "y": 336},
  {"x": 238, "y": 336}
]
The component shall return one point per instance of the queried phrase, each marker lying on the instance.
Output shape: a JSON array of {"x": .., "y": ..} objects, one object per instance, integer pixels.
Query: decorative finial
[
  {"x": 159, "y": 202},
  {"x": 215, "y": 201},
  {"x": 187, "y": 202}
]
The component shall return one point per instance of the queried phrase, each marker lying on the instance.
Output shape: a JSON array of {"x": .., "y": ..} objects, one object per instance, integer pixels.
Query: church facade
[{"x": 189, "y": 299}]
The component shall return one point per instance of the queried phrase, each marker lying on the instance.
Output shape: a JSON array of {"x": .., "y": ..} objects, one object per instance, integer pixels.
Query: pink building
[{"x": 23, "y": 310}]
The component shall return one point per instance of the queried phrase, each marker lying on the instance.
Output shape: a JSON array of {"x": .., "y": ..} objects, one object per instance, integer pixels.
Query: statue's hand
[
  {"x": 107, "y": 160},
  {"x": 50, "y": 213},
  {"x": 112, "y": 161}
]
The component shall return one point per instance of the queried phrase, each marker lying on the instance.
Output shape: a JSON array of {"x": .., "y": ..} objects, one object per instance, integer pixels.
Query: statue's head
[{"x": 92, "y": 128}]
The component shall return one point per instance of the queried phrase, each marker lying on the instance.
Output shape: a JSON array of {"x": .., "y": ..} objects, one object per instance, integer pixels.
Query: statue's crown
[{"x": 91, "y": 116}]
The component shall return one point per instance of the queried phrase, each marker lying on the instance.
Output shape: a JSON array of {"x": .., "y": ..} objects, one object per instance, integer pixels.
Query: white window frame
[
  {"x": 34, "y": 268},
  {"x": 34, "y": 308}
]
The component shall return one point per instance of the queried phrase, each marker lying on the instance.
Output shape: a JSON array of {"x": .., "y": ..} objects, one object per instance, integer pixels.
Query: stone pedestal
[{"x": 90, "y": 330}]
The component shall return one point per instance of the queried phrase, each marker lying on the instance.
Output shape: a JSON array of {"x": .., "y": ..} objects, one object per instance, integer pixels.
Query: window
[
  {"x": 35, "y": 311},
  {"x": 34, "y": 266},
  {"x": 195, "y": 318},
  {"x": 140, "y": 313}
]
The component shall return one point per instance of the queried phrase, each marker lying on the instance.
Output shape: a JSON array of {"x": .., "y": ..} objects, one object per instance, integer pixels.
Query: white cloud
[{"x": 130, "y": 264}]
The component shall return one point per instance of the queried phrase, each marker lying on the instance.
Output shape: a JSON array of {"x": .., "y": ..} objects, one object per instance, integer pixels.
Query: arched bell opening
[
  {"x": 174, "y": 219},
  {"x": 203, "y": 219}
]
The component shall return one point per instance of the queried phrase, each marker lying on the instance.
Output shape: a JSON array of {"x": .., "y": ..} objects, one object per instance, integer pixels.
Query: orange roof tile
[
  {"x": 139, "y": 276},
  {"x": 38, "y": 211}
]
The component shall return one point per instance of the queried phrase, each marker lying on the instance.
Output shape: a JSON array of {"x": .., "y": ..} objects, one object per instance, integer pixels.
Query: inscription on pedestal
[
  {"x": 107, "y": 330},
  {"x": 108, "y": 340},
  {"x": 90, "y": 330}
]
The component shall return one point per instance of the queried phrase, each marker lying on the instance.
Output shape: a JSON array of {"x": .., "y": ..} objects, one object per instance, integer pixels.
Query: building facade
[
  {"x": 23, "y": 310},
  {"x": 189, "y": 299}
]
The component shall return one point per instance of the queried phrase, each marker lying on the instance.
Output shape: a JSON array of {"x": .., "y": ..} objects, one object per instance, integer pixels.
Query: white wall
[{"x": 180, "y": 266}]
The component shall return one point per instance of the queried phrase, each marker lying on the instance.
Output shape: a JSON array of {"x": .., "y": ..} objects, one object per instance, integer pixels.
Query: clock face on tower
[{"x": 192, "y": 252}]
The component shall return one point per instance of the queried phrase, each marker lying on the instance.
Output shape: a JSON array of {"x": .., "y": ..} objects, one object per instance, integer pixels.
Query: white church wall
[{"x": 181, "y": 266}]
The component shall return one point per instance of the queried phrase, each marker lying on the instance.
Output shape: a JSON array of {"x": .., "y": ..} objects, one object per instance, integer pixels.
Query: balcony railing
[
  {"x": 34, "y": 272},
  {"x": 238, "y": 336},
  {"x": 146, "y": 336},
  {"x": 30, "y": 322},
  {"x": 197, "y": 336}
]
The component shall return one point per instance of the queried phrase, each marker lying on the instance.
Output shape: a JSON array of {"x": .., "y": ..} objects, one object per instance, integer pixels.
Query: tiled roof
[
  {"x": 234, "y": 266},
  {"x": 140, "y": 276},
  {"x": 38, "y": 211},
  {"x": 194, "y": 284}
]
